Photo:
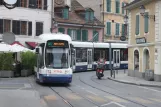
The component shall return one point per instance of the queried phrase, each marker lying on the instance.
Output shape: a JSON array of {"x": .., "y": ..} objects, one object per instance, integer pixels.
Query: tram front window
[{"x": 57, "y": 58}]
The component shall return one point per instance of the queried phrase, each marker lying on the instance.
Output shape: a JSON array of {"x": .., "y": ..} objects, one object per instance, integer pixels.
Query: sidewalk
[
  {"x": 18, "y": 92},
  {"x": 124, "y": 78}
]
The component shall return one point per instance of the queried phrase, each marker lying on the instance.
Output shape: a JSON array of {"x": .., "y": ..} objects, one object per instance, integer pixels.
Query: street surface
[{"x": 87, "y": 91}]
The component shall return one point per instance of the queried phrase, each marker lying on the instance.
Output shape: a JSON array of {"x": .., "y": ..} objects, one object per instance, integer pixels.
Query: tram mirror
[
  {"x": 37, "y": 50},
  {"x": 71, "y": 46}
]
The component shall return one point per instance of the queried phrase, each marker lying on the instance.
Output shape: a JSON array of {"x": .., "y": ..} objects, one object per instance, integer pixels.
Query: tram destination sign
[
  {"x": 57, "y": 43},
  {"x": 140, "y": 40}
]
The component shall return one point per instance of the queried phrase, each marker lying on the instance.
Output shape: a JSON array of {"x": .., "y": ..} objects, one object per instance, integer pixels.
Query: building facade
[
  {"x": 144, "y": 38},
  {"x": 77, "y": 21},
  {"x": 27, "y": 21},
  {"x": 113, "y": 16}
]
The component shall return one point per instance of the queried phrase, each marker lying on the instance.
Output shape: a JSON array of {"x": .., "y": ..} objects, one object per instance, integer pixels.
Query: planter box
[
  {"x": 6, "y": 74},
  {"x": 25, "y": 73}
]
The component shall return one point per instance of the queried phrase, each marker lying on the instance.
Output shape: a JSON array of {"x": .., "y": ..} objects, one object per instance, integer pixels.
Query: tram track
[{"x": 111, "y": 93}]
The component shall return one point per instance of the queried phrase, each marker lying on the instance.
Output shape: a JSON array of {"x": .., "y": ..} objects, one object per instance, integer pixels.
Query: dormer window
[
  {"x": 66, "y": 13},
  {"x": 89, "y": 15}
]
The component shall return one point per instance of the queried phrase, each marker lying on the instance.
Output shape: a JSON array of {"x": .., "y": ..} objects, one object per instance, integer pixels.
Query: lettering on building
[{"x": 140, "y": 40}]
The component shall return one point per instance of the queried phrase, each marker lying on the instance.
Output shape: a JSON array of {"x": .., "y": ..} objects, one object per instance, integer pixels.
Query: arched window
[{"x": 136, "y": 60}]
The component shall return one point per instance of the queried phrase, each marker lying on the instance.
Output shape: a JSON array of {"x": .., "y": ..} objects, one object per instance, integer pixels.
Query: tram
[
  {"x": 54, "y": 59},
  {"x": 86, "y": 55}
]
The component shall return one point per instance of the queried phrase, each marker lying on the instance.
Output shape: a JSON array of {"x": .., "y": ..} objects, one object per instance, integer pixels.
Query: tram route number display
[
  {"x": 55, "y": 71},
  {"x": 57, "y": 44}
]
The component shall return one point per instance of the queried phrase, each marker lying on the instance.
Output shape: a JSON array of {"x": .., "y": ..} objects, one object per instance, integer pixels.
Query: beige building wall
[{"x": 116, "y": 17}]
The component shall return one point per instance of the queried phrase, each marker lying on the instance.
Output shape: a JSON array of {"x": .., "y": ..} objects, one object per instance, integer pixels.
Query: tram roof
[
  {"x": 101, "y": 45},
  {"x": 55, "y": 36},
  {"x": 118, "y": 45},
  {"x": 82, "y": 44}
]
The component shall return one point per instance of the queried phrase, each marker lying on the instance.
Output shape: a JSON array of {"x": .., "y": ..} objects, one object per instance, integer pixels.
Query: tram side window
[
  {"x": 101, "y": 53},
  {"x": 124, "y": 54},
  {"x": 81, "y": 55}
]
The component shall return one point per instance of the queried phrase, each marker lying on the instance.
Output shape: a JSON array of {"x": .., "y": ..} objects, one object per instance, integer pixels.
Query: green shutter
[
  {"x": 108, "y": 5},
  {"x": 108, "y": 28},
  {"x": 65, "y": 13},
  {"x": 123, "y": 30},
  {"x": 84, "y": 35},
  {"x": 87, "y": 16},
  {"x": 69, "y": 32},
  {"x": 117, "y": 6},
  {"x": 137, "y": 25},
  {"x": 146, "y": 23},
  {"x": 91, "y": 16},
  {"x": 117, "y": 29},
  {"x": 122, "y": 8},
  {"x": 62, "y": 30},
  {"x": 78, "y": 35},
  {"x": 95, "y": 36}
]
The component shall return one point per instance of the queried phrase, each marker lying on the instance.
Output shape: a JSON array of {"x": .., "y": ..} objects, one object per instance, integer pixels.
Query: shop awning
[
  {"x": 32, "y": 44},
  {"x": 16, "y": 42}
]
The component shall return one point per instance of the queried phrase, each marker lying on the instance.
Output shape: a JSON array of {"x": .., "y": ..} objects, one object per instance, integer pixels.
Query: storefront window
[{"x": 124, "y": 54}]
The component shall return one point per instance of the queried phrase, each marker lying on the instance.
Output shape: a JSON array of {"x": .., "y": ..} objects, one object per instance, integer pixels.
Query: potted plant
[
  {"x": 6, "y": 64},
  {"x": 28, "y": 62}
]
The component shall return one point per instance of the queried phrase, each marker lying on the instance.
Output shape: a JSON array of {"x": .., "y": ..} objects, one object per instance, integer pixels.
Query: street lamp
[
  {"x": 126, "y": 19},
  {"x": 142, "y": 12}
]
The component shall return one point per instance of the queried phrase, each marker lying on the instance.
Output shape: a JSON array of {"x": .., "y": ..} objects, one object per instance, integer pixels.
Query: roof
[{"x": 77, "y": 16}]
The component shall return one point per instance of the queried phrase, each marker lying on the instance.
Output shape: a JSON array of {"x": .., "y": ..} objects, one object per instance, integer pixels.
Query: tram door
[
  {"x": 89, "y": 59},
  {"x": 73, "y": 59},
  {"x": 116, "y": 58}
]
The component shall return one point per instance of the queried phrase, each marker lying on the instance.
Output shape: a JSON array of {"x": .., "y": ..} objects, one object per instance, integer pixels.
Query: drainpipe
[{"x": 51, "y": 16}]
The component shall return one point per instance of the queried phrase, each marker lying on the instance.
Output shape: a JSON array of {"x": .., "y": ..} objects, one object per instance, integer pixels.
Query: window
[
  {"x": 123, "y": 30},
  {"x": 84, "y": 35},
  {"x": 122, "y": 7},
  {"x": 65, "y": 13},
  {"x": 117, "y": 6},
  {"x": 101, "y": 53},
  {"x": 74, "y": 34},
  {"x": 108, "y": 28},
  {"x": 108, "y": 5},
  {"x": 78, "y": 35},
  {"x": 89, "y": 15},
  {"x": 117, "y": 29},
  {"x": 124, "y": 54},
  {"x": 81, "y": 55},
  {"x": 95, "y": 36},
  {"x": 61, "y": 30},
  {"x": 7, "y": 26},
  {"x": 137, "y": 25},
  {"x": 16, "y": 27},
  {"x": 23, "y": 28},
  {"x": 39, "y": 28},
  {"x": 32, "y": 4},
  {"x": 146, "y": 23},
  {"x": 30, "y": 28},
  {"x": 39, "y": 4},
  {"x": 45, "y": 5},
  {"x": 23, "y": 3},
  {"x": 1, "y": 26}
]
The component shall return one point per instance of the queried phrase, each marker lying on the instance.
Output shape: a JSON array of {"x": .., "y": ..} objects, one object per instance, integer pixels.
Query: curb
[{"x": 158, "y": 86}]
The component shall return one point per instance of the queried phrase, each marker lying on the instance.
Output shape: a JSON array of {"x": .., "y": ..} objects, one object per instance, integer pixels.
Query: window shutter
[
  {"x": 137, "y": 25},
  {"x": 1, "y": 26},
  {"x": 78, "y": 35},
  {"x": 61, "y": 30},
  {"x": 95, "y": 36},
  {"x": 146, "y": 23},
  {"x": 117, "y": 6},
  {"x": 30, "y": 28},
  {"x": 91, "y": 16},
  {"x": 87, "y": 16},
  {"x": 122, "y": 7},
  {"x": 117, "y": 29},
  {"x": 108, "y": 28},
  {"x": 108, "y": 5},
  {"x": 69, "y": 32},
  {"x": 84, "y": 35},
  {"x": 123, "y": 30},
  {"x": 65, "y": 13}
]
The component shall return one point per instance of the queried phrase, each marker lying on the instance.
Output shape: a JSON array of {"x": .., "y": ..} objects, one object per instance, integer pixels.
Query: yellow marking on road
[
  {"x": 50, "y": 97},
  {"x": 140, "y": 100},
  {"x": 96, "y": 98},
  {"x": 116, "y": 99},
  {"x": 74, "y": 97},
  {"x": 155, "y": 99}
]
